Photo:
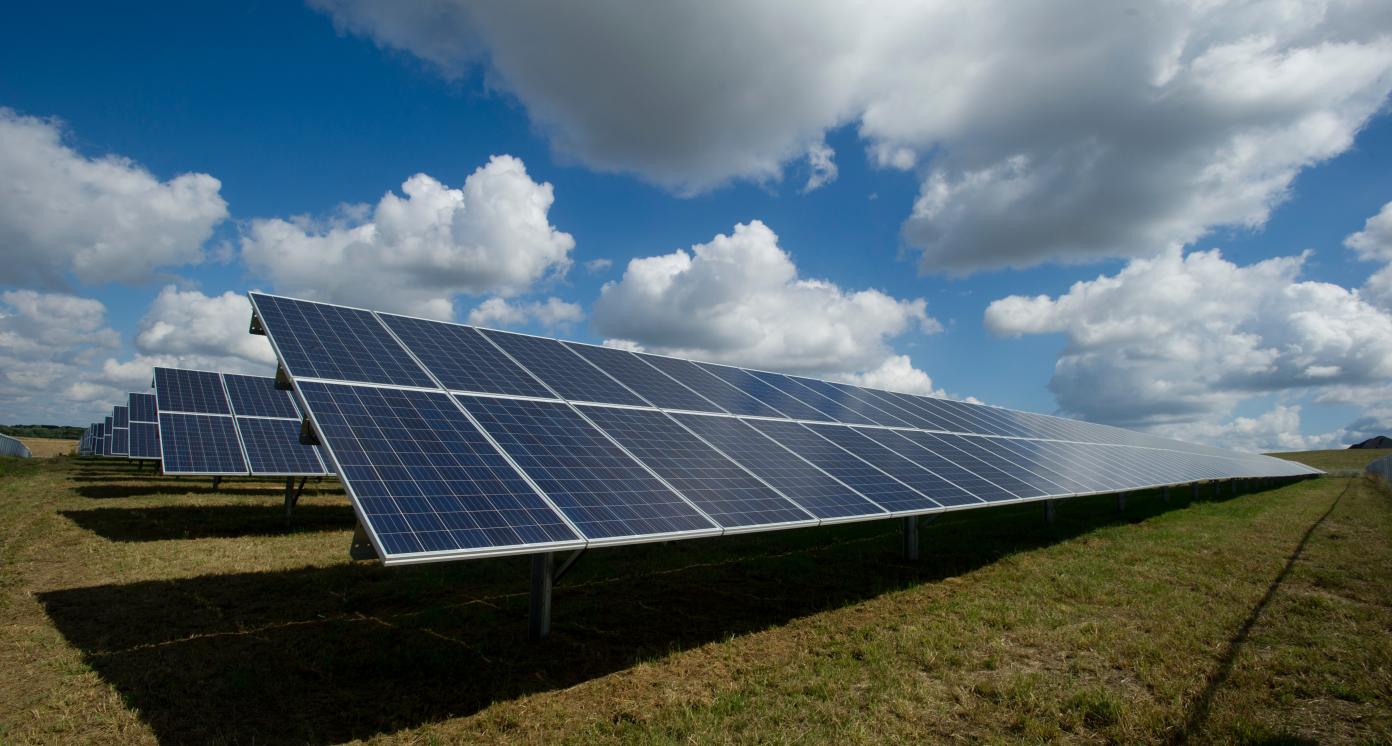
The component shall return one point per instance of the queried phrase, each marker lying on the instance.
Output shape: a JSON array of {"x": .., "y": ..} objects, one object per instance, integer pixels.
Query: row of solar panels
[
  {"x": 455, "y": 441},
  {"x": 205, "y": 423}
]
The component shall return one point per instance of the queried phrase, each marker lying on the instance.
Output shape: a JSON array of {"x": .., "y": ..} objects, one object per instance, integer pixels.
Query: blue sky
[{"x": 297, "y": 111}]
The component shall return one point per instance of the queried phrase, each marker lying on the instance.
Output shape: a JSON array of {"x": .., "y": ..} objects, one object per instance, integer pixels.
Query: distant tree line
[{"x": 62, "y": 432}]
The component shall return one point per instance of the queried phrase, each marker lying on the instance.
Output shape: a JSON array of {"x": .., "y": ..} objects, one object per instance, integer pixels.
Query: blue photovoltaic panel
[
  {"x": 563, "y": 370},
  {"x": 120, "y": 416},
  {"x": 462, "y": 359},
  {"x": 144, "y": 440},
  {"x": 845, "y": 396},
  {"x": 829, "y": 407},
  {"x": 1030, "y": 454},
  {"x": 697, "y": 379},
  {"x": 766, "y": 392},
  {"x": 799, "y": 480},
  {"x": 257, "y": 396},
  {"x": 199, "y": 444},
  {"x": 945, "y": 446},
  {"x": 273, "y": 447},
  {"x": 840, "y": 463},
  {"x": 717, "y": 485},
  {"x": 120, "y": 443},
  {"x": 1013, "y": 475},
  {"x": 921, "y": 449},
  {"x": 316, "y": 340},
  {"x": 901, "y": 468},
  {"x": 425, "y": 480},
  {"x": 106, "y": 438},
  {"x": 601, "y": 489},
  {"x": 98, "y": 438},
  {"x": 190, "y": 391},
  {"x": 649, "y": 382},
  {"x": 143, "y": 408}
]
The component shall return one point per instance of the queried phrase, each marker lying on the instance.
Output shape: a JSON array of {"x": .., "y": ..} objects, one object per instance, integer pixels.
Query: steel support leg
[
  {"x": 911, "y": 537},
  {"x": 216, "y": 481},
  {"x": 1165, "y": 494},
  {"x": 1121, "y": 502},
  {"x": 1050, "y": 511},
  {"x": 1194, "y": 488},
  {"x": 539, "y": 623}
]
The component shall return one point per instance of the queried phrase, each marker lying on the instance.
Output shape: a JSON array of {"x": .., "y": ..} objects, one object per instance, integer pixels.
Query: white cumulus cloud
[
  {"x": 100, "y": 220},
  {"x": 1063, "y": 130},
  {"x": 552, "y": 313},
  {"x": 1184, "y": 338},
  {"x": 415, "y": 253},
  {"x": 49, "y": 344},
  {"x": 739, "y": 299}
]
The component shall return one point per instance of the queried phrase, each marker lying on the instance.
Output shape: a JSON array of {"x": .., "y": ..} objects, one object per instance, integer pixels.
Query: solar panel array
[
  {"x": 455, "y": 441},
  {"x": 144, "y": 426},
  {"x": 224, "y": 424}
]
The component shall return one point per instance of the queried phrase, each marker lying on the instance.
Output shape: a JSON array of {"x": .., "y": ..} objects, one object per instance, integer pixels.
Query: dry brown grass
[
  {"x": 48, "y": 447},
  {"x": 138, "y": 610}
]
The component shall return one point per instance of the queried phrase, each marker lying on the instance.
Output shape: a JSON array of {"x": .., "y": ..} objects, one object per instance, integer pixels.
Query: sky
[{"x": 1172, "y": 217}]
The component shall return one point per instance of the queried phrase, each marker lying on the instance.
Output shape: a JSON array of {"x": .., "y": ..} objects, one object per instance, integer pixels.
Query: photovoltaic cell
[
  {"x": 828, "y": 407},
  {"x": 316, "y": 340},
  {"x": 120, "y": 416},
  {"x": 199, "y": 444},
  {"x": 462, "y": 359},
  {"x": 257, "y": 396},
  {"x": 840, "y": 463},
  {"x": 648, "y": 382},
  {"x": 143, "y": 408},
  {"x": 564, "y": 371},
  {"x": 923, "y": 450},
  {"x": 717, "y": 485},
  {"x": 144, "y": 440},
  {"x": 106, "y": 438},
  {"x": 273, "y": 447},
  {"x": 903, "y": 469},
  {"x": 846, "y": 397},
  {"x": 120, "y": 443},
  {"x": 765, "y": 392},
  {"x": 798, "y": 480},
  {"x": 601, "y": 489},
  {"x": 425, "y": 480},
  {"x": 724, "y": 395},
  {"x": 991, "y": 462},
  {"x": 190, "y": 391}
]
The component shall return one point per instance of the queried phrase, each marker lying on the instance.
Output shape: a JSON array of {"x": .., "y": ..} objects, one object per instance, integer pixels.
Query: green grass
[
  {"x": 1347, "y": 458},
  {"x": 135, "y": 609}
]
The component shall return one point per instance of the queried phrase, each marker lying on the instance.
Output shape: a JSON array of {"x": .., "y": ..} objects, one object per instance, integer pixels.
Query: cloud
[
  {"x": 595, "y": 266},
  {"x": 896, "y": 373},
  {"x": 188, "y": 325},
  {"x": 824, "y": 171},
  {"x": 739, "y": 299},
  {"x": 1374, "y": 242},
  {"x": 1045, "y": 131},
  {"x": 551, "y": 314},
  {"x": 415, "y": 253},
  {"x": 1275, "y": 430},
  {"x": 97, "y": 219},
  {"x": 1184, "y": 338},
  {"x": 48, "y": 343}
]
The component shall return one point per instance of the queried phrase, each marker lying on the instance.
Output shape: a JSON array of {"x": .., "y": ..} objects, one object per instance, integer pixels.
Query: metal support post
[
  {"x": 1050, "y": 511},
  {"x": 292, "y": 496},
  {"x": 216, "y": 481},
  {"x": 911, "y": 537},
  {"x": 1165, "y": 494},
  {"x": 1121, "y": 502},
  {"x": 539, "y": 622},
  {"x": 1194, "y": 490}
]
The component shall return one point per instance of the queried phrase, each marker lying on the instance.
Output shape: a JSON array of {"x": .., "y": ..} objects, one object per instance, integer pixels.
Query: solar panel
[
  {"x": 427, "y": 484},
  {"x": 273, "y": 448},
  {"x": 697, "y": 379},
  {"x": 813, "y": 489},
  {"x": 641, "y": 447},
  {"x": 143, "y": 408},
  {"x": 316, "y": 340},
  {"x": 257, "y": 396},
  {"x": 785, "y": 404},
  {"x": 718, "y": 486},
  {"x": 648, "y": 382},
  {"x": 562, "y": 370},
  {"x": 461, "y": 358},
  {"x": 120, "y": 441},
  {"x": 144, "y": 440},
  {"x": 190, "y": 391},
  {"x": 106, "y": 438},
  {"x": 120, "y": 416},
  {"x": 601, "y": 489},
  {"x": 199, "y": 444}
]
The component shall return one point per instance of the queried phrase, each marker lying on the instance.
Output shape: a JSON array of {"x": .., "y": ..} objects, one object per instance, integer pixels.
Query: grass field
[
  {"x": 136, "y": 609},
  {"x": 46, "y": 447},
  {"x": 1355, "y": 458}
]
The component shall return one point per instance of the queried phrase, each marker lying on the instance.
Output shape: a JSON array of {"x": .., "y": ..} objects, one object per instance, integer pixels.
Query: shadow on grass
[
  {"x": 327, "y": 655},
  {"x": 208, "y": 521}
]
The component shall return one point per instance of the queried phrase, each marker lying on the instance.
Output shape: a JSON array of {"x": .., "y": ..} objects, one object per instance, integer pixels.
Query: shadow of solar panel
[
  {"x": 273, "y": 448},
  {"x": 190, "y": 391},
  {"x": 316, "y": 340},
  {"x": 257, "y": 396},
  {"x": 601, "y": 489},
  {"x": 717, "y": 485},
  {"x": 199, "y": 444},
  {"x": 462, "y": 359},
  {"x": 427, "y": 484},
  {"x": 800, "y": 481}
]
